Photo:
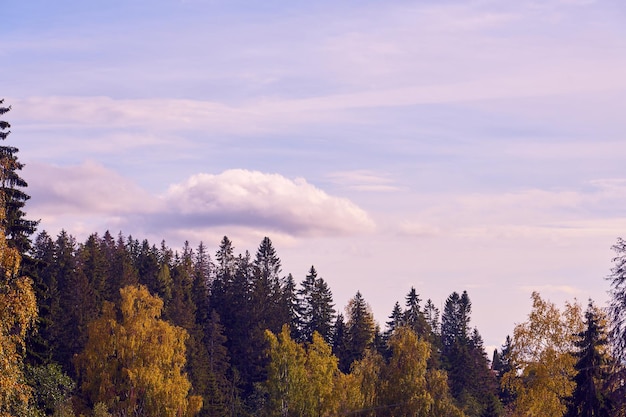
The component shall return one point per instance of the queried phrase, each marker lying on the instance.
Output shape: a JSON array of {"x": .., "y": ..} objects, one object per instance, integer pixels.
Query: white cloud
[
  {"x": 265, "y": 200},
  {"x": 260, "y": 203}
]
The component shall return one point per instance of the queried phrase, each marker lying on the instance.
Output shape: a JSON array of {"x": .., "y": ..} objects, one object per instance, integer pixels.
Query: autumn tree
[
  {"x": 133, "y": 360},
  {"x": 405, "y": 376},
  {"x": 18, "y": 311},
  {"x": 286, "y": 375},
  {"x": 322, "y": 371},
  {"x": 542, "y": 361}
]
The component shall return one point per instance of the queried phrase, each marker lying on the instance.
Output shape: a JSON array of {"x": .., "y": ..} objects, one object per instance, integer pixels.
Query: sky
[{"x": 446, "y": 145}]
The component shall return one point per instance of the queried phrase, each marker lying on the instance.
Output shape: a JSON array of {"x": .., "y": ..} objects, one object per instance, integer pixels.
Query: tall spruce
[
  {"x": 360, "y": 329},
  {"x": 471, "y": 381},
  {"x": 17, "y": 228},
  {"x": 590, "y": 398},
  {"x": 317, "y": 312}
]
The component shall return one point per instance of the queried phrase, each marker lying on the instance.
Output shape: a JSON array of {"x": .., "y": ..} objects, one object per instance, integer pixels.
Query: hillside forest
[{"x": 116, "y": 326}]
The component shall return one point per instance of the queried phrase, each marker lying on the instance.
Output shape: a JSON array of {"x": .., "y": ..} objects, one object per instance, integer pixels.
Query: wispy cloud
[{"x": 364, "y": 180}]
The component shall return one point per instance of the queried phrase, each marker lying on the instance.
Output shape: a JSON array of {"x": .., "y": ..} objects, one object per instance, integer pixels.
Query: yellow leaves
[
  {"x": 18, "y": 311},
  {"x": 137, "y": 363},
  {"x": 543, "y": 366},
  {"x": 406, "y": 374}
]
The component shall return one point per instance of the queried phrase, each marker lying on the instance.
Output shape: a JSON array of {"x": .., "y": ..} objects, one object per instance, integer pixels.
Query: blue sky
[{"x": 449, "y": 145}]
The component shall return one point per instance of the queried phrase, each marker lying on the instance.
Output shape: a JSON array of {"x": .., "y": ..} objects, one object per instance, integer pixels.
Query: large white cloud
[
  {"x": 89, "y": 194},
  {"x": 242, "y": 197}
]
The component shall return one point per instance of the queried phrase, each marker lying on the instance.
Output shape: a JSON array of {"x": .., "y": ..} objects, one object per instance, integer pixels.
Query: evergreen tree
[
  {"x": 431, "y": 314},
  {"x": 17, "y": 228},
  {"x": 267, "y": 294},
  {"x": 464, "y": 357},
  {"x": 317, "y": 311},
  {"x": 396, "y": 319},
  {"x": 148, "y": 267},
  {"x": 413, "y": 316},
  {"x": 40, "y": 343},
  {"x": 360, "y": 328},
  {"x": 617, "y": 303},
  {"x": 291, "y": 305},
  {"x": 589, "y": 398},
  {"x": 340, "y": 343}
]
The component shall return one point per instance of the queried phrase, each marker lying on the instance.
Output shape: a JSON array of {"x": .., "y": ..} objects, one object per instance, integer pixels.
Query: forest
[{"x": 118, "y": 326}]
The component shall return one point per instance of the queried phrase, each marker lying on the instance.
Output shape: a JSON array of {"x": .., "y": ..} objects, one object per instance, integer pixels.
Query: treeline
[{"x": 232, "y": 307}]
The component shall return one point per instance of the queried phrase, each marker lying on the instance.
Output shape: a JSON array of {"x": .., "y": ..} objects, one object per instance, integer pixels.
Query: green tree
[
  {"x": 133, "y": 360},
  {"x": 52, "y": 389}
]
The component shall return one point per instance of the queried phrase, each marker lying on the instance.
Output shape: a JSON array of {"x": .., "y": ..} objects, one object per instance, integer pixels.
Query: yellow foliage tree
[
  {"x": 322, "y": 369},
  {"x": 543, "y": 365},
  {"x": 287, "y": 381},
  {"x": 135, "y": 365},
  {"x": 407, "y": 389},
  {"x": 18, "y": 311}
]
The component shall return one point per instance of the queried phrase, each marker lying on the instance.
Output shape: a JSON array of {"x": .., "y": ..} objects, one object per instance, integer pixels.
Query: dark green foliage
[
  {"x": 396, "y": 318},
  {"x": 52, "y": 389},
  {"x": 590, "y": 398},
  {"x": 340, "y": 344},
  {"x": 463, "y": 356},
  {"x": 360, "y": 329},
  {"x": 501, "y": 364},
  {"x": 39, "y": 345},
  {"x": 413, "y": 315}
]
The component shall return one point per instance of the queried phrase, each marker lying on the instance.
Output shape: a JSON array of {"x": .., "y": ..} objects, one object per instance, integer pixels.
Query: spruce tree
[
  {"x": 317, "y": 311},
  {"x": 589, "y": 398},
  {"x": 18, "y": 229},
  {"x": 360, "y": 328}
]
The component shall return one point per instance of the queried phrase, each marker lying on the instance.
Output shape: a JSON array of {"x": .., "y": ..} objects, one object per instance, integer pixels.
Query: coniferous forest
[{"x": 118, "y": 326}]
